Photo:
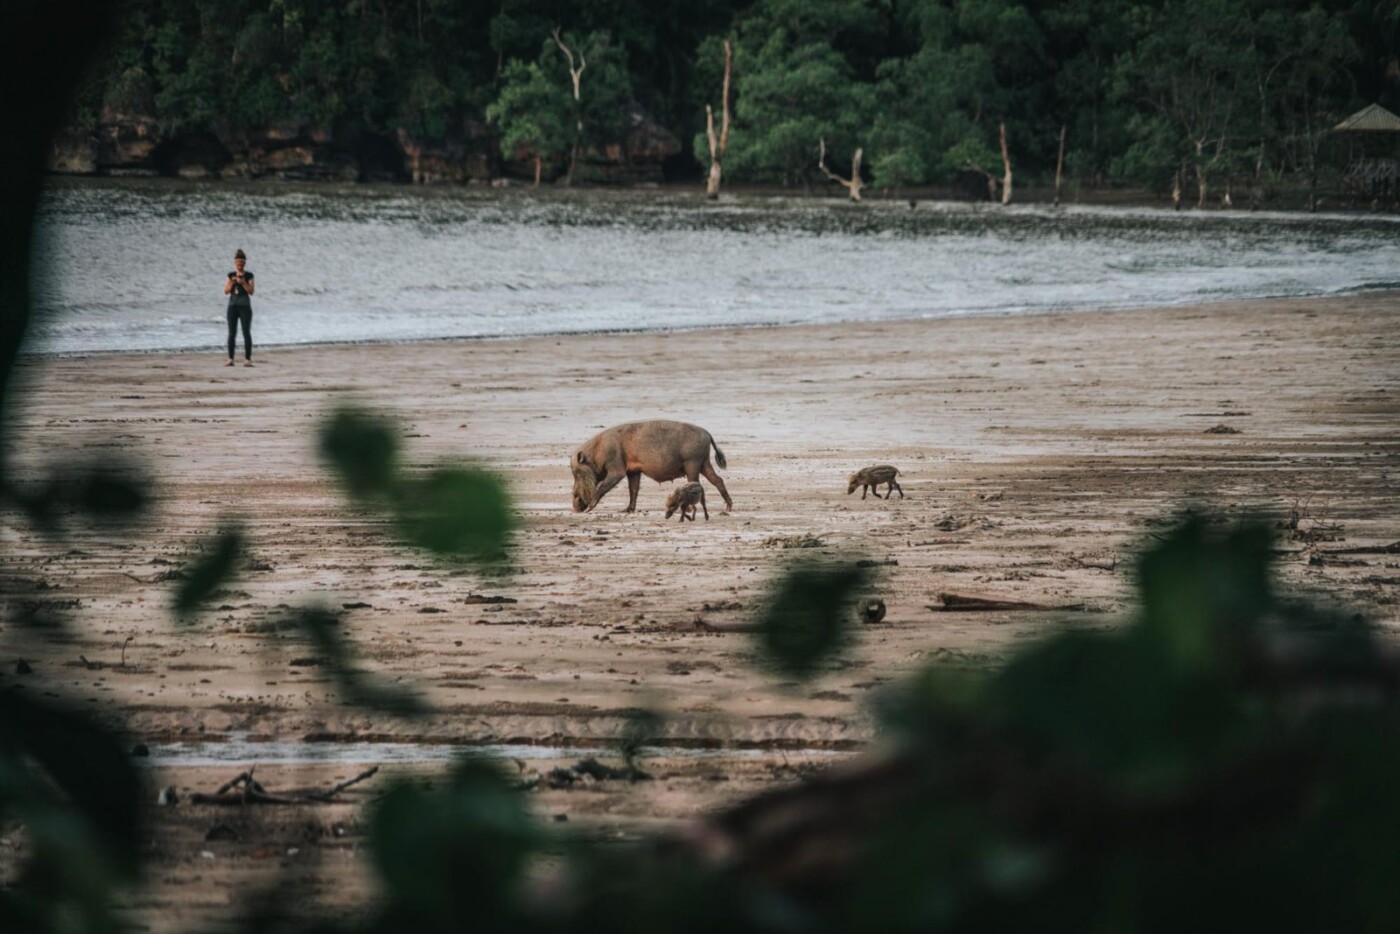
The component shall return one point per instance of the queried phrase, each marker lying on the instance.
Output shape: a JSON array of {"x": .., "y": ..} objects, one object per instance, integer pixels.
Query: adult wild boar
[{"x": 661, "y": 449}]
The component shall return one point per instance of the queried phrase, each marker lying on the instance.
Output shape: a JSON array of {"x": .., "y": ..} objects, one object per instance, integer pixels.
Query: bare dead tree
[
  {"x": 1060, "y": 164},
  {"x": 575, "y": 73},
  {"x": 1216, "y": 149},
  {"x": 718, "y": 146},
  {"x": 1005, "y": 166},
  {"x": 853, "y": 184}
]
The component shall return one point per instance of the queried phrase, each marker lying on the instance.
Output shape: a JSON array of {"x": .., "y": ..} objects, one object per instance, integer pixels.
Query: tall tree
[
  {"x": 1191, "y": 84},
  {"x": 532, "y": 115}
]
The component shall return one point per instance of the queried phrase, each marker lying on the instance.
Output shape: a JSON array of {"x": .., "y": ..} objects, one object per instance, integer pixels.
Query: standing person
[{"x": 239, "y": 289}]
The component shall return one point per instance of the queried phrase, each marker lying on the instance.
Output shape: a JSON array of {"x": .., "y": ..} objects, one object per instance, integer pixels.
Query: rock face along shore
[{"x": 1036, "y": 452}]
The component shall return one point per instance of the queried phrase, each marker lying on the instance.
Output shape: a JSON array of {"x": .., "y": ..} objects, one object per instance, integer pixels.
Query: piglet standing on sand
[
  {"x": 661, "y": 449},
  {"x": 870, "y": 478},
  {"x": 685, "y": 499}
]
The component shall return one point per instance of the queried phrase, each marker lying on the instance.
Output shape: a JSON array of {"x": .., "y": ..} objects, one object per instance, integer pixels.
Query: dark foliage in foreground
[{"x": 1227, "y": 760}]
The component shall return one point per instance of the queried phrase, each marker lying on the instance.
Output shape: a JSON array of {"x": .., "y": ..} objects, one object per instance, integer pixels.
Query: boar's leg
[
  {"x": 709, "y": 471},
  {"x": 702, "y": 506},
  {"x": 634, "y": 485},
  {"x": 602, "y": 490},
  {"x": 895, "y": 486},
  {"x": 865, "y": 489}
]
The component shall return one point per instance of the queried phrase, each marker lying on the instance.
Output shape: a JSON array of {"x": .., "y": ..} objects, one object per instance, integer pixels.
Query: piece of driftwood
[
  {"x": 1392, "y": 549},
  {"x": 327, "y": 795},
  {"x": 705, "y": 626},
  {"x": 1095, "y": 565},
  {"x": 970, "y": 602},
  {"x": 250, "y": 791}
]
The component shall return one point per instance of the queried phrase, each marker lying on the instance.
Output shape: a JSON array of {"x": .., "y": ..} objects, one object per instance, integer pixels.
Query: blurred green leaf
[
  {"x": 806, "y": 619},
  {"x": 927, "y": 706},
  {"x": 356, "y": 686},
  {"x": 1112, "y": 706},
  {"x": 84, "y": 816},
  {"x": 453, "y": 859},
  {"x": 113, "y": 493},
  {"x": 118, "y": 493},
  {"x": 85, "y": 761},
  {"x": 362, "y": 448},
  {"x": 214, "y": 568},
  {"x": 1203, "y": 590},
  {"x": 457, "y": 512}
]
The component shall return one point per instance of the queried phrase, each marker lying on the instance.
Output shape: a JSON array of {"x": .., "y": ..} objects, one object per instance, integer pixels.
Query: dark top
[{"x": 238, "y": 298}]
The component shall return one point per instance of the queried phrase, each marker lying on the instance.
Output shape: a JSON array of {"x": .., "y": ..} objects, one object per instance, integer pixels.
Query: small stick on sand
[
  {"x": 327, "y": 795},
  {"x": 1111, "y": 566},
  {"x": 966, "y": 602},
  {"x": 233, "y": 782}
]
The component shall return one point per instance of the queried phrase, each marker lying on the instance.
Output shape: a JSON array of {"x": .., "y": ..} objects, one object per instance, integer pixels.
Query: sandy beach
[{"x": 1038, "y": 452}]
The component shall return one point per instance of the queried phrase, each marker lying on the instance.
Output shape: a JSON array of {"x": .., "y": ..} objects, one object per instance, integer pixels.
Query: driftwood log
[
  {"x": 251, "y": 791},
  {"x": 970, "y": 602}
]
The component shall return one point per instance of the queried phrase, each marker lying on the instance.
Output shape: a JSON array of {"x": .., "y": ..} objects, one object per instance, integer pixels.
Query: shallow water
[
  {"x": 237, "y": 749},
  {"x": 140, "y": 265}
]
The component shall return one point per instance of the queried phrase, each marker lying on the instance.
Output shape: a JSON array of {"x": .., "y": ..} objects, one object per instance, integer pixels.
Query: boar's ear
[{"x": 581, "y": 459}]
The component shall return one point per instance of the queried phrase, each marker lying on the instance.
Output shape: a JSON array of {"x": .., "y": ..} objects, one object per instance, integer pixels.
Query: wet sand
[{"x": 1038, "y": 452}]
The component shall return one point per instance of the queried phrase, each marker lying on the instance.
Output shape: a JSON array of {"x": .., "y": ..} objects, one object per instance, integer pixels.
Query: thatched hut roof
[{"x": 1372, "y": 119}]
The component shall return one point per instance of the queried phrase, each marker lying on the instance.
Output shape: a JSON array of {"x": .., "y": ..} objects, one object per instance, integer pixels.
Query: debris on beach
[
  {"x": 952, "y": 523},
  {"x": 872, "y": 611},
  {"x": 793, "y": 541},
  {"x": 1222, "y": 429},
  {"x": 968, "y": 602},
  {"x": 243, "y": 789},
  {"x": 475, "y": 598},
  {"x": 584, "y": 772}
]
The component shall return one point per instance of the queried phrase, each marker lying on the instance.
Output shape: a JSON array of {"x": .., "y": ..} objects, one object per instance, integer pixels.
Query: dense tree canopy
[{"x": 1189, "y": 91}]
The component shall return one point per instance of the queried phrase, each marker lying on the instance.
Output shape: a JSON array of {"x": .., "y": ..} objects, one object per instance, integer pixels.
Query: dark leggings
[{"x": 236, "y": 315}]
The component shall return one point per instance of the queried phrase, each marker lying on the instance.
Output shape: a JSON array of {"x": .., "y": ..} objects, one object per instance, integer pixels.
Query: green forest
[{"x": 1196, "y": 93}]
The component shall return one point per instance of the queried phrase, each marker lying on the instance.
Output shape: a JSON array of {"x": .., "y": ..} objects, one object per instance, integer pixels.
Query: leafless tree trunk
[
  {"x": 1200, "y": 176},
  {"x": 575, "y": 74},
  {"x": 718, "y": 146},
  {"x": 1006, "y": 168},
  {"x": 539, "y": 168},
  {"x": 1176, "y": 189},
  {"x": 1060, "y": 164},
  {"x": 853, "y": 184}
]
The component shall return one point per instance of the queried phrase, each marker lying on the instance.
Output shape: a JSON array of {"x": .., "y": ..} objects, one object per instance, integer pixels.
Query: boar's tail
[{"x": 719, "y": 455}]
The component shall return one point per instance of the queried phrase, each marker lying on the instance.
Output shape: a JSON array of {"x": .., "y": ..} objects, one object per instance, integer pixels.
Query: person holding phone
[{"x": 239, "y": 289}]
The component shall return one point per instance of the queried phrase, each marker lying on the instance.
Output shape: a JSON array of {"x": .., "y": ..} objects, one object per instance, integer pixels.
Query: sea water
[{"x": 140, "y": 265}]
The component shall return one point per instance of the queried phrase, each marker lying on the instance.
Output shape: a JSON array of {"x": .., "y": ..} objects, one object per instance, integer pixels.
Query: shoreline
[
  {"x": 1385, "y": 290},
  {"x": 1126, "y": 199}
]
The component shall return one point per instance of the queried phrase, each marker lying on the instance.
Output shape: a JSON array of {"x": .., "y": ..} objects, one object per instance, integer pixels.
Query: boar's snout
[{"x": 851, "y": 483}]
